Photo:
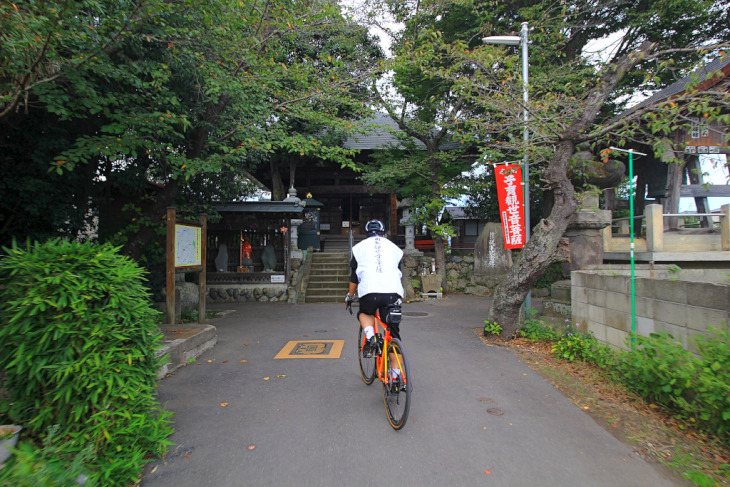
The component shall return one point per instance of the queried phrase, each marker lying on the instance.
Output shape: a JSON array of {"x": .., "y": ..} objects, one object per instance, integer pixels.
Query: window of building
[{"x": 473, "y": 228}]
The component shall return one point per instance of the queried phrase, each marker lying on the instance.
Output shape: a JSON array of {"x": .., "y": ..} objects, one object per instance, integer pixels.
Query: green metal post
[
  {"x": 633, "y": 268},
  {"x": 631, "y": 230}
]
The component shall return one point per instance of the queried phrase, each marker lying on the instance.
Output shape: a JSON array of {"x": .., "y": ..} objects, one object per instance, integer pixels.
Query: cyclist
[{"x": 375, "y": 274}]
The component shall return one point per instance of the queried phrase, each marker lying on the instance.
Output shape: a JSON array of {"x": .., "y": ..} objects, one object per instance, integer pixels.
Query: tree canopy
[
  {"x": 574, "y": 97},
  {"x": 127, "y": 98}
]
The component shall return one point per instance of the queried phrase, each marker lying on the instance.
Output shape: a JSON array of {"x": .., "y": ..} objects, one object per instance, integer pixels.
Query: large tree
[
  {"x": 574, "y": 97},
  {"x": 574, "y": 102},
  {"x": 175, "y": 100}
]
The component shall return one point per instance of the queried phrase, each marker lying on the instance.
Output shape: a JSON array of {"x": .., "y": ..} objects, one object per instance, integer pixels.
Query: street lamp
[{"x": 521, "y": 40}]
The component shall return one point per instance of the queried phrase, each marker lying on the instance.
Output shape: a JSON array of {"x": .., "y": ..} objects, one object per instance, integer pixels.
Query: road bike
[{"x": 389, "y": 354}]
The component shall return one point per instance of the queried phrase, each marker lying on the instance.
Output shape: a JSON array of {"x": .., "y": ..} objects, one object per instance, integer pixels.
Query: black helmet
[{"x": 375, "y": 226}]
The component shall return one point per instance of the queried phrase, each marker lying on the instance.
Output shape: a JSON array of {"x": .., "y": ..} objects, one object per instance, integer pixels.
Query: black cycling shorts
[{"x": 372, "y": 302}]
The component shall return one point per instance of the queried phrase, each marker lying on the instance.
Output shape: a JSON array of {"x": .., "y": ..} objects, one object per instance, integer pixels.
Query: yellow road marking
[{"x": 311, "y": 349}]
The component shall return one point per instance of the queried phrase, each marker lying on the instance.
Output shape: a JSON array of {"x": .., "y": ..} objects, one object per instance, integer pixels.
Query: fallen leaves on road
[{"x": 645, "y": 427}]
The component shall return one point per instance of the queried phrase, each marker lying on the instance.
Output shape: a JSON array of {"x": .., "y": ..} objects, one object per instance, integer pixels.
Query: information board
[{"x": 188, "y": 246}]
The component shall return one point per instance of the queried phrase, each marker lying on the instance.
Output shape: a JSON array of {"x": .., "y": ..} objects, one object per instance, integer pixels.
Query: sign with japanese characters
[
  {"x": 511, "y": 204},
  {"x": 188, "y": 245}
]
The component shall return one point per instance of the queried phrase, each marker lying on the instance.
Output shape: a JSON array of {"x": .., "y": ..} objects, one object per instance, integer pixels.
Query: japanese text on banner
[{"x": 511, "y": 203}]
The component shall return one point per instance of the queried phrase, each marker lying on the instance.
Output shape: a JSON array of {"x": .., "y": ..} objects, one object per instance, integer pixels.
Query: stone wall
[
  {"x": 681, "y": 303},
  {"x": 459, "y": 275},
  {"x": 240, "y": 293}
]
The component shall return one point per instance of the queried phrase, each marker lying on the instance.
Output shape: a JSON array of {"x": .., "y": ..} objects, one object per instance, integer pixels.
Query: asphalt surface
[{"x": 478, "y": 415}]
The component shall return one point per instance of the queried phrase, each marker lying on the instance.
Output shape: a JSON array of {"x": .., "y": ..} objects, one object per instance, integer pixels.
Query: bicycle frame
[{"x": 381, "y": 359}]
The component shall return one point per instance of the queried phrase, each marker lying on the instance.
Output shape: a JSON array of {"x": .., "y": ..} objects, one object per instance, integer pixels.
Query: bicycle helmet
[{"x": 375, "y": 227}]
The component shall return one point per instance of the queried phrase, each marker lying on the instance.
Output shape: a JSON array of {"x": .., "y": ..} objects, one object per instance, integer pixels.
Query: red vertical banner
[{"x": 511, "y": 204}]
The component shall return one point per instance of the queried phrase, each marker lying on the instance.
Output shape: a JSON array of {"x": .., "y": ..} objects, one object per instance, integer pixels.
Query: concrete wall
[
  {"x": 459, "y": 275},
  {"x": 682, "y": 303}
]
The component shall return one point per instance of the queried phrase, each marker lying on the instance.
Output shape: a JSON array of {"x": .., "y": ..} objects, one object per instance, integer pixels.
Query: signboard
[
  {"x": 276, "y": 278},
  {"x": 701, "y": 149},
  {"x": 188, "y": 246},
  {"x": 511, "y": 204}
]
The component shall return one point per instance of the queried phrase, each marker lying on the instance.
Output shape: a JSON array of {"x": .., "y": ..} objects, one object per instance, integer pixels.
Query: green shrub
[
  {"x": 537, "y": 331},
  {"x": 78, "y": 337},
  {"x": 711, "y": 391},
  {"x": 694, "y": 387},
  {"x": 492, "y": 328},
  {"x": 577, "y": 345}
]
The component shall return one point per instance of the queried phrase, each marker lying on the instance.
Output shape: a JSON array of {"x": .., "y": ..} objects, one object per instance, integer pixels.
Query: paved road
[{"x": 313, "y": 422}]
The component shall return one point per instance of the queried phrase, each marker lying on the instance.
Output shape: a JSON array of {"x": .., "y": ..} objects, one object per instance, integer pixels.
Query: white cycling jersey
[{"x": 378, "y": 260}]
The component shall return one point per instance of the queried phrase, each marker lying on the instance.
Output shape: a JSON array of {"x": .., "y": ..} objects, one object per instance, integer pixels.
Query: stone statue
[
  {"x": 221, "y": 260},
  {"x": 246, "y": 252},
  {"x": 268, "y": 258}
]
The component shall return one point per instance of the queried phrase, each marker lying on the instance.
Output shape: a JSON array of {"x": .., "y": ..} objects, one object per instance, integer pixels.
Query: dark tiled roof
[
  {"x": 678, "y": 87},
  {"x": 259, "y": 207},
  {"x": 456, "y": 212},
  {"x": 380, "y": 137}
]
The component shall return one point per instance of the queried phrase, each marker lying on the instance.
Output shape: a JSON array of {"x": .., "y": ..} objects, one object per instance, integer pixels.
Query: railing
[
  {"x": 352, "y": 241},
  {"x": 685, "y": 241}
]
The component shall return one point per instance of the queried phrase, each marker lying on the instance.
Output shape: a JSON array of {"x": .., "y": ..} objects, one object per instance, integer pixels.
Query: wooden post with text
[{"x": 185, "y": 252}]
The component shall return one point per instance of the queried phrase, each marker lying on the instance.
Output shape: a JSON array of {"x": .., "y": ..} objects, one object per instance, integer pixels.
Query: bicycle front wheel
[
  {"x": 397, "y": 392},
  {"x": 367, "y": 364}
]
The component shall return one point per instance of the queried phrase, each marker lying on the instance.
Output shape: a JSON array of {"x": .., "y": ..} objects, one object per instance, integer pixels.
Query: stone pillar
[
  {"x": 410, "y": 229},
  {"x": 654, "y": 228},
  {"x": 584, "y": 232},
  {"x": 294, "y": 249},
  {"x": 725, "y": 227},
  {"x": 491, "y": 260}
]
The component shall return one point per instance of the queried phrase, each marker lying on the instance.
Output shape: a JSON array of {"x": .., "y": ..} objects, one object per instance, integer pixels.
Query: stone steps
[{"x": 329, "y": 277}]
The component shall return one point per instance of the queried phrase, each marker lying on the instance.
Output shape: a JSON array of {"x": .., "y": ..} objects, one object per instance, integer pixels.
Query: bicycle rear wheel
[
  {"x": 397, "y": 393},
  {"x": 367, "y": 364}
]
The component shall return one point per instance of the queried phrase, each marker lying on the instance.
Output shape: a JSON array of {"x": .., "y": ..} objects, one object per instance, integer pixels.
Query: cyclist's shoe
[{"x": 369, "y": 347}]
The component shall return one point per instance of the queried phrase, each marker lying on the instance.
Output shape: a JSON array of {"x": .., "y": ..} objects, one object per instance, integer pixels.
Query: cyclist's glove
[{"x": 349, "y": 299}]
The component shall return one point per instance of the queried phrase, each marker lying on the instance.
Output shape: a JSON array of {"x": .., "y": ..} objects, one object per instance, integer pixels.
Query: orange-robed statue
[{"x": 246, "y": 249}]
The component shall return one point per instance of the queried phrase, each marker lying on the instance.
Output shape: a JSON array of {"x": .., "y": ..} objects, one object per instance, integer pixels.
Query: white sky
[{"x": 714, "y": 172}]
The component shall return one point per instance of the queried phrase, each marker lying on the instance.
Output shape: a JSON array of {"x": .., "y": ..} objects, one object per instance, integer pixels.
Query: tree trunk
[
  {"x": 292, "y": 171},
  {"x": 439, "y": 247},
  {"x": 541, "y": 250},
  {"x": 278, "y": 191}
]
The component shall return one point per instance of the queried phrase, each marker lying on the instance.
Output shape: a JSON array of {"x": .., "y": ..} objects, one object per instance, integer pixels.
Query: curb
[{"x": 183, "y": 343}]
